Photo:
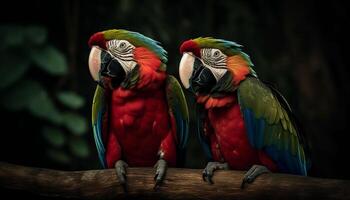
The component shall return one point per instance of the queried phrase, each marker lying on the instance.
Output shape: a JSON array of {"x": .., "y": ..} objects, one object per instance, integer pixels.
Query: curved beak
[
  {"x": 186, "y": 68},
  {"x": 195, "y": 75},
  {"x": 95, "y": 62},
  {"x": 105, "y": 69}
]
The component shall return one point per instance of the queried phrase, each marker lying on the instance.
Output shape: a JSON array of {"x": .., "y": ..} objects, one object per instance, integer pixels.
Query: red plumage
[
  {"x": 97, "y": 39},
  {"x": 190, "y": 46},
  {"x": 229, "y": 142},
  {"x": 140, "y": 127}
]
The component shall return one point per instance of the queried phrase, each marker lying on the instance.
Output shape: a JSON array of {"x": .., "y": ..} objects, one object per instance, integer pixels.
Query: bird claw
[
  {"x": 208, "y": 171},
  {"x": 120, "y": 168},
  {"x": 161, "y": 167},
  {"x": 157, "y": 185},
  {"x": 253, "y": 173},
  {"x": 207, "y": 177}
]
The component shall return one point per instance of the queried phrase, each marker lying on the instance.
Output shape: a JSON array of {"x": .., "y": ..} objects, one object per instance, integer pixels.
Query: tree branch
[{"x": 179, "y": 184}]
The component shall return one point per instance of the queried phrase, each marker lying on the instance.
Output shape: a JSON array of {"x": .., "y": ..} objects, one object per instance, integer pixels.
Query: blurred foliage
[
  {"x": 54, "y": 136},
  {"x": 49, "y": 59},
  {"x": 70, "y": 99},
  {"x": 22, "y": 49}
]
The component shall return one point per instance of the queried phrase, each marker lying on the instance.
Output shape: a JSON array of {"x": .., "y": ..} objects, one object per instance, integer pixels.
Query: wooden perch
[{"x": 179, "y": 184}]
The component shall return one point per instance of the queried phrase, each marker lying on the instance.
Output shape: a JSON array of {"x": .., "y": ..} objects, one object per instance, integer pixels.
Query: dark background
[{"x": 46, "y": 94}]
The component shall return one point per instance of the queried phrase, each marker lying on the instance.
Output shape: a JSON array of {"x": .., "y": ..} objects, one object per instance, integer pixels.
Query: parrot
[
  {"x": 243, "y": 123},
  {"x": 139, "y": 112}
]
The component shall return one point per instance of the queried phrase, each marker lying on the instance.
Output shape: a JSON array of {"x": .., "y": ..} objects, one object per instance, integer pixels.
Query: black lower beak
[
  {"x": 202, "y": 80},
  {"x": 111, "y": 71}
]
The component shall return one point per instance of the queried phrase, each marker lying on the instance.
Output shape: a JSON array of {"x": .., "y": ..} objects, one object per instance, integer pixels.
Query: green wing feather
[
  {"x": 178, "y": 109},
  {"x": 270, "y": 126},
  {"x": 98, "y": 111}
]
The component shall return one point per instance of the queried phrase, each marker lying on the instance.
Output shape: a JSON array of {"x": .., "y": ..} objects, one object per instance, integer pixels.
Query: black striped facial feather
[
  {"x": 215, "y": 61},
  {"x": 123, "y": 51}
]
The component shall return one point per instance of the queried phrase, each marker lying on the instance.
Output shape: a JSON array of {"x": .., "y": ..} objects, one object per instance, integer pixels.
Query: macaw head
[
  {"x": 213, "y": 67},
  {"x": 125, "y": 58}
]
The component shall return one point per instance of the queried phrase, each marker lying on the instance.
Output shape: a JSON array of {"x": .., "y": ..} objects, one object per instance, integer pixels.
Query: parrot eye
[
  {"x": 216, "y": 54},
  {"x": 122, "y": 45},
  {"x": 214, "y": 58}
]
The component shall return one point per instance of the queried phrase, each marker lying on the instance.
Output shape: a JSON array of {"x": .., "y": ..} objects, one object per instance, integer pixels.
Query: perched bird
[
  {"x": 139, "y": 113},
  {"x": 243, "y": 123}
]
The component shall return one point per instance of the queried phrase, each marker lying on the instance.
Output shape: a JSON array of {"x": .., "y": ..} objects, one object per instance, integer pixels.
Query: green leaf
[
  {"x": 35, "y": 35},
  {"x": 58, "y": 156},
  {"x": 54, "y": 136},
  {"x": 70, "y": 99},
  {"x": 42, "y": 106},
  {"x": 75, "y": 123},
  {"x": 12, "y": 68},
  {"x": 79, "y": 147},
  {"x": 50, "y": 59},
  {"x": 30, "y": 95}
]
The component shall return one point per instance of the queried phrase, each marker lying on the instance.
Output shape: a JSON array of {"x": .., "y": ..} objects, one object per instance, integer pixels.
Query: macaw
[
  {"x": 139, "y": 112},
  {"x": 243, "y": 123}
]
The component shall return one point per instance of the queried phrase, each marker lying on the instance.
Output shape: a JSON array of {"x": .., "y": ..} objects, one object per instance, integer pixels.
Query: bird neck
[
  {"x": 150, "y": 79},
  {"x": 238, "y": 67},
  {"x": 149, "y": 74},
  {"x": 210, "y": 102}
]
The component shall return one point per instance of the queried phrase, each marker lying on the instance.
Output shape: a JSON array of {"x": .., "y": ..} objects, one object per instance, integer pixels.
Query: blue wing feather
[
  {"x": 178, "y": 107},
  {"x": 263, "y": 117},
  {"x": 255, "y": 128},
  {"x": 203, "y": 140},
  {"x": 98, "y": 111},
  {"x": 286, "y": 161}
]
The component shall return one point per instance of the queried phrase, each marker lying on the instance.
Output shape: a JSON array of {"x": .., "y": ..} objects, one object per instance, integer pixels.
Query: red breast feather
[{"x": 140, "y": 122}]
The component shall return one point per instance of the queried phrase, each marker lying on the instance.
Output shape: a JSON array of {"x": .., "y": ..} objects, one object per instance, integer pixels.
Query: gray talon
[
  {"x": 253, "y": 173},
  {"x": 161, "y": 167},
  {"x": 208, "y": 172},
  {"x": 120, "y": 168}
]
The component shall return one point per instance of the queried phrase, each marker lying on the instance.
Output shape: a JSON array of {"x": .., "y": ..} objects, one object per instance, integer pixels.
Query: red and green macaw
[
  {"x": 139, "y": 113},
  {"x": 244, "y": 123}
]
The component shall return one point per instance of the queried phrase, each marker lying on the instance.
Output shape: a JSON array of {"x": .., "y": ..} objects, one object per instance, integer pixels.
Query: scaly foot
[
  {"x": 120, "y": 168},
  {"x": 208, "y": 171},
  {"x": 161, "y": 167},
  {"x": 253, "y": 173}
]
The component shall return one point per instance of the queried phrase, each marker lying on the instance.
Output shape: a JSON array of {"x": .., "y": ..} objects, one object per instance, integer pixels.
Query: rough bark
[{"x": 179, "y": 184}]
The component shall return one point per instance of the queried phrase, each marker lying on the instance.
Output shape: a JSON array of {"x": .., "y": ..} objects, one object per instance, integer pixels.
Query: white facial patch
[
  {"x": 123, "y": 51},
  {"x": 215, "y": 61},
  {"x": 218, "y": 73}
]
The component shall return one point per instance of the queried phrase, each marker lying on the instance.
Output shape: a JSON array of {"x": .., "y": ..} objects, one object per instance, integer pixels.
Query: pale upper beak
[
  {"x": 186, "y": 68},
  {"x": 95, "y": 62}
]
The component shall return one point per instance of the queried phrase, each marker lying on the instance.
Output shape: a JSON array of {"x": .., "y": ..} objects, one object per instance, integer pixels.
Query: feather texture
[
  {"x": 98, "y": 111},
  {"x": 138, "y": 40},
  {"x": 270, "y": 128},
  {"x": 227, "y": 47},
  {"x": 202, "y": 131},
  {"x": 178, "y": 108}
]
